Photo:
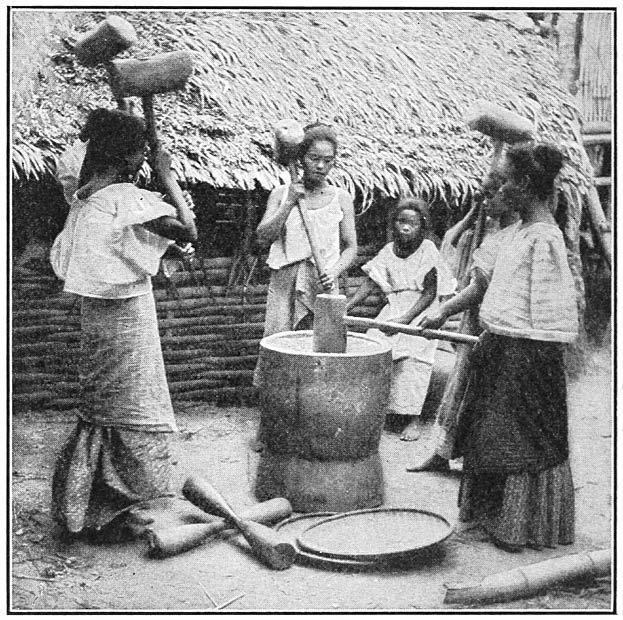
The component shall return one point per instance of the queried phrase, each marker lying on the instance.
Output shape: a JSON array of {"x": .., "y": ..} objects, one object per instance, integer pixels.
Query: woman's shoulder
[
  {"x": 543, "y": 235},
  {"x": 342, "y": 195}
]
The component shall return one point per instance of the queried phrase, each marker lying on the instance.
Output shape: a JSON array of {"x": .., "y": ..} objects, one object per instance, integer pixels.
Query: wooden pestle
[{"x": 330, "y": 324}]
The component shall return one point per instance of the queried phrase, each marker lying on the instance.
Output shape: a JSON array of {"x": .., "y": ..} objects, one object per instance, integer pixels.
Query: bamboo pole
[
  {"x": 528, "y": 581},
  {"x": 435, "y": 334}
]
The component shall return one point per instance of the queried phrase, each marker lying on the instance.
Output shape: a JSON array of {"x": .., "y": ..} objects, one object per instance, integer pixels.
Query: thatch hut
[{"x": 396, "y": 84}]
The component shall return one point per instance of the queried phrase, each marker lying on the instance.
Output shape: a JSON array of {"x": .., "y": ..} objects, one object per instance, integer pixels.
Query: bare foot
[
  {"x": 432, "y": 462},
  {"x": 412, "y": 431}
]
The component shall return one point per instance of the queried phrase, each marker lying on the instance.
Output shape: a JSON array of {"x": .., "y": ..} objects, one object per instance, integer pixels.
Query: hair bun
[
  {"x": 550, "y": 158},
  {"x": 96, "y": 124}
]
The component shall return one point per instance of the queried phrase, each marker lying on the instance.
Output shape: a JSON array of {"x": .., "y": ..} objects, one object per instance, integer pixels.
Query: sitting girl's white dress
[{"x": 402, "y": 282}]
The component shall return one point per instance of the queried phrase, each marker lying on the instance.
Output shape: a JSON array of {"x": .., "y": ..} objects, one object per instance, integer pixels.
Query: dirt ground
[{"x": 51, "y": 575}]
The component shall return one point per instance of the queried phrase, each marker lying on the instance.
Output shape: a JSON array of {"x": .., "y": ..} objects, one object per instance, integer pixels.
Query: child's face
[
  {"x": 407, "y": 226},
  {"x": 318, "y": 160}
]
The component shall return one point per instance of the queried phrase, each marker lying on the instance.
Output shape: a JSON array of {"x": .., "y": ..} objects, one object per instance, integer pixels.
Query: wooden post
[{"x": 600, "y": 224}]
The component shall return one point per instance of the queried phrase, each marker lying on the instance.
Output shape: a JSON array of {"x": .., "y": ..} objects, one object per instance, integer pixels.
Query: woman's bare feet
[
  {"x": 431, "y": 462},
  {"x": 412, "y": 431}
]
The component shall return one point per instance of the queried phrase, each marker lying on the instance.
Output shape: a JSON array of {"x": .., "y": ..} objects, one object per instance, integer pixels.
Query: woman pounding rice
[
  {"x": 294, "y": 279},
  {"x": 513, "y": 430},
  {"x": 411, "y": 274},
  {"x": 114, "y": 236}
]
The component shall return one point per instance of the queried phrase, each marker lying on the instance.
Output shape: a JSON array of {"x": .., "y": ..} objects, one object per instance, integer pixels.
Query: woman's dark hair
[
  {"x": 113, "y": 135},
  {"x": 414, "y": 204},
  {"x": 318, "y": 132},
  {"x": 541, "y": 163}
]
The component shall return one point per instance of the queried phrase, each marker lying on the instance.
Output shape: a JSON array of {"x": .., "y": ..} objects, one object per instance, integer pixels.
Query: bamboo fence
[{"x": 209, "y": 332}]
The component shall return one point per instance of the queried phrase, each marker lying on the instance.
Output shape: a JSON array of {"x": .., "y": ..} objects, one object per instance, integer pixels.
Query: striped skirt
[
  {"x": 512, "y": 434},
  {"x": 119, "y": 453}
]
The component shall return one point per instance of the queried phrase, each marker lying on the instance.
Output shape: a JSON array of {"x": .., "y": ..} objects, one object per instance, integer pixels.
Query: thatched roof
[{"x": 396, "y": 84}]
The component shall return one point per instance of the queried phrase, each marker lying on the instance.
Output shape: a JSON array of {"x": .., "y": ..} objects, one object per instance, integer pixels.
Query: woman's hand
[
  {"x": 163, "y": 163},
  {"x": 433, "y": 320},
  {"x": 328, "y": 280},
  {"x": 296, "y": 191}
]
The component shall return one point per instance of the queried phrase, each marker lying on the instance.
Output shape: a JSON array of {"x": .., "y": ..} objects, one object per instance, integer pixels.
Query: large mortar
[{"x": 321, "y": 420}]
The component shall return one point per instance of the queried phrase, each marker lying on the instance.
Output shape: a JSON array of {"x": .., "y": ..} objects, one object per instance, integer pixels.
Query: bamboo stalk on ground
[{"x": 527, "y": 581}]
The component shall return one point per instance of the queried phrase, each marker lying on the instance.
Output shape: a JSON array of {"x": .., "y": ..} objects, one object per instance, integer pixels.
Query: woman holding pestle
[
  {"x": 516, "y": 482},
  {"x": 294, "y": 281},
  {"x": 501, "y": 211},
  {"x": 115, "y": 234}
]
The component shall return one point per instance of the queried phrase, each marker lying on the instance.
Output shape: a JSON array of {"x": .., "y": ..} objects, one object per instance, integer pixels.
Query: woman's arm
[
  {"x": 426, "y": 299},
  {"x": 470, "y": 296},
  {"x": 183, "y": 227},
  {"x": 366, "y": 288},
  {"x": 348, "y": 239},
  {"x": 277, "y": 211},
  {"x": 454, "y": 234}
]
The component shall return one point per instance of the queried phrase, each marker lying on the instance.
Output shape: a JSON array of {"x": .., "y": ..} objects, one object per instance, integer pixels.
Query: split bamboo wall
[{"x": 210, "y": 336}]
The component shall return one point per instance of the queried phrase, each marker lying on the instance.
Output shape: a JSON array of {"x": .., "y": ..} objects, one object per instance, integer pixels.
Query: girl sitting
[{"x": 411, "y": 275}]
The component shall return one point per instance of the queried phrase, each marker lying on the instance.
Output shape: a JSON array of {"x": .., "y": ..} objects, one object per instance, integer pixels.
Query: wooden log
[
  {"x": 600, "y": 224},
  {"x": 177, "y": 305},
  {"x": 597, "y": 127},
  {"x": 45, "y": 348},
  {"x": 40, "y": 378},
  {"x": 220, "y": 334},
  {"x": 56, "y": 302},
  {"x": 218, "y": 394},
  {"x": 598, "y": 138},
  {"x": 527, "y": 581},
  {"x": 29, "y": 331},
  {"x": 209, "y": 294},
  {"x": 214, "y": 380},
  {"x": 38, "y": 396},
  {"x": 43, "y": 314},
  {"x": 207, "y": 364},
  {"x": 200, "y": 278},
  {"x": 44, "y": 400},
  {"x": 215, "y": 346},
  {"x": 32, "y": 398},
  {"x": 202, "y": 324}
]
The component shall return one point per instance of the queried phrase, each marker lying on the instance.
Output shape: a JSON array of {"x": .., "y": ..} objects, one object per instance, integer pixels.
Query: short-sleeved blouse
[
  {"x": 394, "y": 274},
  {"x": 531, "y": 293},
  {"x": 103, "y": 251},
  {"x": 292, "y": 244}
]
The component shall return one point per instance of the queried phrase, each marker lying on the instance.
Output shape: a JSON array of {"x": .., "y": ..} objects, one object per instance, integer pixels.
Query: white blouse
[{"x": 104, "y": 251}]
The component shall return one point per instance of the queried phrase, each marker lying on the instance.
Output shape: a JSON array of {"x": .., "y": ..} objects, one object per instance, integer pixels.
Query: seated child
[{"x": 411, "y": 274}]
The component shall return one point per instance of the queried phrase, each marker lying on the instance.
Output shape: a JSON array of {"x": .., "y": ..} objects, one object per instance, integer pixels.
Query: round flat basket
[
  {"x": 292, "y": 527},
  {"x": 376, "y": 535}
]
